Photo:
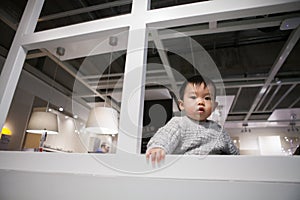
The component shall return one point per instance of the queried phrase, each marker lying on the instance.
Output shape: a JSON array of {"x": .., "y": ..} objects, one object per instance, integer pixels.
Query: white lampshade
[
  {"x": 41, "y": 122},
  {"x": 103, "y": 120}
]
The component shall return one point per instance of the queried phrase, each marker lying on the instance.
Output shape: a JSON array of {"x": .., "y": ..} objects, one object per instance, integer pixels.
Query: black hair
[
  {"x": 198, "y": 80},
  {"x": 104, "y": 144}
]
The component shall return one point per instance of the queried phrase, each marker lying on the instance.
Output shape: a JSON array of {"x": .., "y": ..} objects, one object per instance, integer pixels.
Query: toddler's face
[{"x": 198, "y": 102}]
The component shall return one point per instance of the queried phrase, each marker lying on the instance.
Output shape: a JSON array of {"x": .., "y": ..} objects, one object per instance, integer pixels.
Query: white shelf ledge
[{"x": 111, "y": 176}]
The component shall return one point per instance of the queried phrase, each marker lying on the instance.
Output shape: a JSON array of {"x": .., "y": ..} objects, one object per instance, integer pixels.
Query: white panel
[
  {"x": 284, "y": 114},
  {"x": 249, "y": 142},
  {"x": 48, "y": 186},
  {"x": 270, "y": 145}
]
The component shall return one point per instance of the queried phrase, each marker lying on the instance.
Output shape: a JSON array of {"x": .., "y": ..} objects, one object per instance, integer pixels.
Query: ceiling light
[
  {"x": 245, "y": 129},
  {"x": 277, "y": 80},
  {"x": 61, "y": 109},
  {"x": 292, "y": 124},
  {"x": 290, "y": 23}
]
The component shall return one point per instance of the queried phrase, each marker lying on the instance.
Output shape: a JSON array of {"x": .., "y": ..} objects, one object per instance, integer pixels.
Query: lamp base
[{"x": 42, "y": 141}]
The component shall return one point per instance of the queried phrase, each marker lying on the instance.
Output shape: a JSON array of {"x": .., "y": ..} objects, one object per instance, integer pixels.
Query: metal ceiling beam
[
  {"x": 84, "y": 5},
  {"x": 263, "y": 98},
  {"x": 163, "y": 80},
  {"x": 165, "y": 60},
  {"x": 283, "y": 96},
  {"x": 8, "y": 20},
  {"x": 295, "y": 102},
  {"x": 149, "y": 72},
  {"x": 285, "y": 51},
  {"x": 245, "y": 112},
  {"x": 235, "y": 99},
  {"x": 35, "y": 55},
  {"x": 116, "y": 84},
  {"x": 272, "y": 97}
]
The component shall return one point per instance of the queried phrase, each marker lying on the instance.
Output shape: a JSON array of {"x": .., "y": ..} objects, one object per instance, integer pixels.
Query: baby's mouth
[{"x": 201, "y": 109}]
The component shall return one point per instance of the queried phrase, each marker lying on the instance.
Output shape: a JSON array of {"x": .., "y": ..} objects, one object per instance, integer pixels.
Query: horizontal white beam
[
  {"x": 194, "y": 13},
  {"x": 77, "y": 32},
  {"x": 222, "y": 27},
  {"x": 216, "y": 10}
]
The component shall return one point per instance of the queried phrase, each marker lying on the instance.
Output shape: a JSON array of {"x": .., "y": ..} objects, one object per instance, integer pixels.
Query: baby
[{"x": 192, "y": 133}]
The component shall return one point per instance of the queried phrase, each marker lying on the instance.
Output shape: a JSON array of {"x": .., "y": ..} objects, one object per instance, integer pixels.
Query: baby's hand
[{"x": 157, "y": 154}]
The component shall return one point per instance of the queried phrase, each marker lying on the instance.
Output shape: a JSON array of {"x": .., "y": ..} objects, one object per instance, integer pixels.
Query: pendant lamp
[
  {"x": 104, "y": 120},
  {"x": 41, "y": 120},
  {"x": 44, "y": 123}
]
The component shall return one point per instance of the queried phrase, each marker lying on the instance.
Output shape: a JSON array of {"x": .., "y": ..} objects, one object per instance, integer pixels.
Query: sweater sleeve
[
  {"x": 167, "y": 137},
  {"x": 231, "y": 149}
]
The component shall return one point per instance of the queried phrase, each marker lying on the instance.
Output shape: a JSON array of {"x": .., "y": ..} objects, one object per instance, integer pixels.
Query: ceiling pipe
[{"x": 285, "y": 51}]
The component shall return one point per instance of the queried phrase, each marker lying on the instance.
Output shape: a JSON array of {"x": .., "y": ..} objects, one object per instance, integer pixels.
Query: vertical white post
[
  {"x": 16, "y": 56},
  {"x": 131, "y": 118}
]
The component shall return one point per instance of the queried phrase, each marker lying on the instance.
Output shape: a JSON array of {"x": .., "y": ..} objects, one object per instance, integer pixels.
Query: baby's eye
[
  {"x": 193, "y": 97},
  {"x": 207, "y": 98}
]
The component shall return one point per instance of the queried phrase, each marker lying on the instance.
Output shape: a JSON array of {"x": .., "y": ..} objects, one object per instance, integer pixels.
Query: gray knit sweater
[{"x": 181, "y": 135}]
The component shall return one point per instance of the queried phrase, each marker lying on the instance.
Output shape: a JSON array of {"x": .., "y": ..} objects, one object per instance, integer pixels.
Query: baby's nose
[{"x": 200, "y": 100}]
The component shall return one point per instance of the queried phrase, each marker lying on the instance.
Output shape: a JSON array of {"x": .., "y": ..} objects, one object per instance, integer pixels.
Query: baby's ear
[{"x": 180, "y": 102}]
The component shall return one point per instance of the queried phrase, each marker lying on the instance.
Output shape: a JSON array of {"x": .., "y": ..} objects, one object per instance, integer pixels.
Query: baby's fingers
[
  {"x": 161, "y": 156},
  {"x": 154, "y": 155},
  {"x": 148, "y": 153}
]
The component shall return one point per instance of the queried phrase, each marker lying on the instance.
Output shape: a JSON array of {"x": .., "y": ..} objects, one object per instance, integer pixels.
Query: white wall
[
  {"x": 68, "y": 138},
  {"x": 17, "y": 118},
  {"x": 250, "y": 141}
]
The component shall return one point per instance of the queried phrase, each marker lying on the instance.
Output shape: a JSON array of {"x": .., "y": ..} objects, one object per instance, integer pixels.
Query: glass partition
[
  {"x": 64, "y": 14},
  {"x": 77, "y": 61}
]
